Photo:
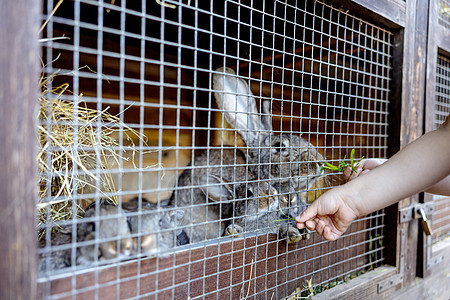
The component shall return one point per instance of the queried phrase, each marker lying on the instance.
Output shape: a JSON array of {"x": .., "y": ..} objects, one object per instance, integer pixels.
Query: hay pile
[{"x": 74, "y": 141}]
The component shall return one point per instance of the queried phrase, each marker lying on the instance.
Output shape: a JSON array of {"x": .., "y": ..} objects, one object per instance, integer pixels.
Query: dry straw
[{"x": 74, "y": 140}]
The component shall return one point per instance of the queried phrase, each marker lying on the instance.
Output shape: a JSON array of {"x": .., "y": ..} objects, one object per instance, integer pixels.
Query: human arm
[
  {"x": 419, "y": 166},
  {"x": 366, "y": 165},
  {"x": 441, "y": 188}
]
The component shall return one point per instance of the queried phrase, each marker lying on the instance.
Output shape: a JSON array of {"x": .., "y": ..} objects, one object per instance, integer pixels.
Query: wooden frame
[
  {"x": 18, "y": 94},
  {"x": 415, "y": 53},
  {"x": 430, "y": 260}
]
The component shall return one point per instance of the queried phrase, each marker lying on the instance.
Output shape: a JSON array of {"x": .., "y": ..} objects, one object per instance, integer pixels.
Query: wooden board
[{"x": 18, "y": 147}]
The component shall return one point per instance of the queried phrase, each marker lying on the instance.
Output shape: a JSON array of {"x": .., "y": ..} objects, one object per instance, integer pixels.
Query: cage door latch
[
  {"x": 426, "y": 226},
  {"x": 416, "y": 211}
]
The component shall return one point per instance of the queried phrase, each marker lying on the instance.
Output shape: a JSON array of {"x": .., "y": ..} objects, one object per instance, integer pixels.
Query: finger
[
  {"x": 309, "y": 214},
  {"x": 320, "y": 227},
  {"x": 301, "y": 225},
  {"x": 356, "y": 174},
  {"x": 328, "y": 235},
  {"x": 311, "y": 225},
  {"x": 347, "y": 173}
]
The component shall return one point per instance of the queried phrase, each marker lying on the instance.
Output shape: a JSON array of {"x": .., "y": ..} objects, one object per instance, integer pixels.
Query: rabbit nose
[
  {"x": 273, "y": 203},
  {"x": 273, "y": 191},
  {"x": 126, "y": 244},
  {"x": 293, "y": 198},
  {"x": 284, "y": 199},
  {"x": 319, "y": 166},
  {"x": 272, "y": 199}
]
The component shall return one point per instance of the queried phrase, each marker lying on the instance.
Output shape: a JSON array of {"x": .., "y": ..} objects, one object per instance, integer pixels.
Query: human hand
[
  {"x": 330, "y": 215},
  {"x": 364, "y": 166}
]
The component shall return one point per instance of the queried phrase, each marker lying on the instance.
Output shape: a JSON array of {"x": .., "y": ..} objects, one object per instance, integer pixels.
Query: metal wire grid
[
  {"x": 442, "y": 101},
  {"x": 325, "y": 73},
  {"x": 444, "y": 13},
  {"x": 441, "y": 219}
]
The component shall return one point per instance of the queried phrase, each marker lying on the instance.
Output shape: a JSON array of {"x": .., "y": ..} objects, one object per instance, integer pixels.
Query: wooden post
[
  {"x": 18, "y": 189},
  {"x": 413, "y": 100}
]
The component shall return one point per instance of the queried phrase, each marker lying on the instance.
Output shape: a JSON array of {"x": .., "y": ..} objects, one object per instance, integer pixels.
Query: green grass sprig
[
  {"x": 288, "y": 218},
  {"x": 342, "y": 165}
]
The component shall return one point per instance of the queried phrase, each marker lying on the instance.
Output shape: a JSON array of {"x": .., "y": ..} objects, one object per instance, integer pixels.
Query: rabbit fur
[
  {"x": 202, "y": 195},
  {"x": 291, "y": 163},
  {"x": 287, "y": 161},
  {"x": 157, "y": 229},
  {"x": 256, "y": 208},
  {"x": 111, "y": 227}
]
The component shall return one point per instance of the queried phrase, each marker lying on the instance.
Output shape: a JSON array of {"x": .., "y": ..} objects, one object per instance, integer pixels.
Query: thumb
[{"x": 309, "y": 214}]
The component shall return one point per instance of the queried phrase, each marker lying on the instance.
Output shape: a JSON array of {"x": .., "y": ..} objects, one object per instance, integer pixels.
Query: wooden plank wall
[{"x": 18, "y": 147}]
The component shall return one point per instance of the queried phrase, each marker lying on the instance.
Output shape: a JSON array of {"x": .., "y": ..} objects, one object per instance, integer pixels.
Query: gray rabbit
[
  {"x": 288, "y": 162},
  {"x": 112, "y": 230},
  {"x": 112, "y": 227},
  {"x": 256, "y": 208},
  {"x": 155, "y": 229},
  {"x": 202, "y": 195},
  {"x": 255, "y": 205},
  {"x": 57, "y": 259},
  {"x": 291, "y": 163}
]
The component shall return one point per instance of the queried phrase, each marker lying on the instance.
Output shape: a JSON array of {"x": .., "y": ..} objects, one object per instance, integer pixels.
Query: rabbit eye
[
  {"x": 278, "y": 147},
  {"x": 281, "y": 146},
  {"x": 163, "y": 221}
]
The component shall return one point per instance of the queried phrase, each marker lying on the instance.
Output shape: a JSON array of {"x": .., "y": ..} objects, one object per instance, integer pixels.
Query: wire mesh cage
[
  {"x": 180, "y": 138},
  {"x": 444, "y": 13},
  {"x": 442, "y": 101},
  {"x": 441, "y": 220}
]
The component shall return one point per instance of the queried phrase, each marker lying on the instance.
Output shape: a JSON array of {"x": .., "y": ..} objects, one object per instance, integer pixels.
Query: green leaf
[
  {"x": 342, "y": 165},
  {"x": 330, "y": 165},
  {"x": 351, "y": 156}
]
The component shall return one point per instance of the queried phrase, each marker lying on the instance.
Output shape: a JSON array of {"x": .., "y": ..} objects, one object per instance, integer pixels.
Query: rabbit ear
[
  {"x": 234, "y": 97},
  {"x": 214, "y": 188},
  {"x": 265, "y": 115}
]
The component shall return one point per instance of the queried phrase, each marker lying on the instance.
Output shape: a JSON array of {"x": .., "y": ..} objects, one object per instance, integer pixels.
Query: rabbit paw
[
  {"x": 233, "y": 229},
  {"x": 292, "y": 234},
  {"x": 306, "y": 233}
]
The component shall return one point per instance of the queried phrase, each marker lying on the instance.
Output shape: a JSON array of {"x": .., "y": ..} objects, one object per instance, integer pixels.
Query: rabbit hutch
[{"x": 162, "y": 149}]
